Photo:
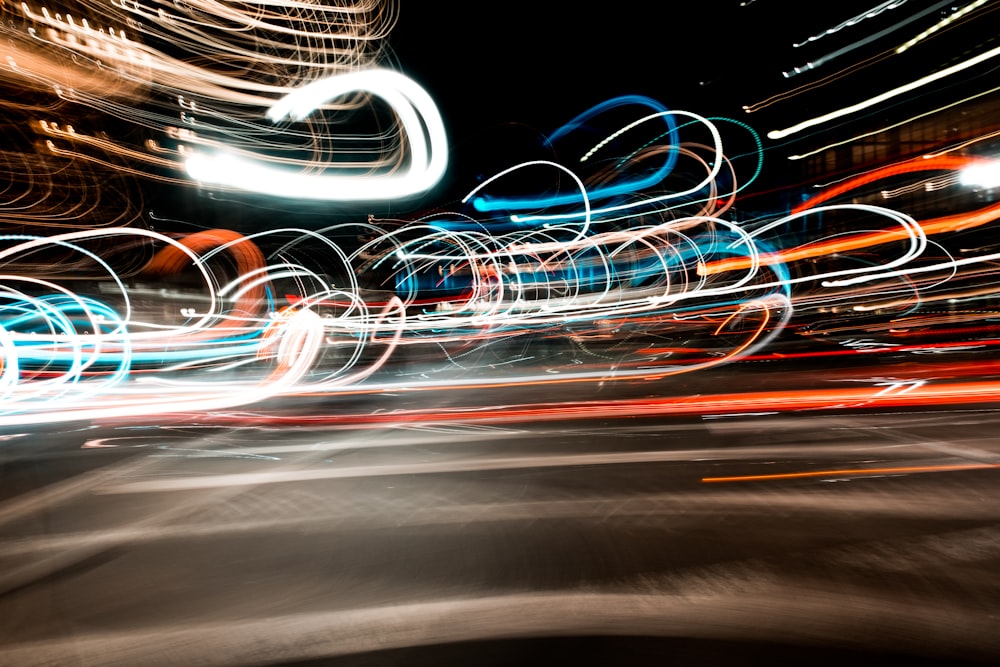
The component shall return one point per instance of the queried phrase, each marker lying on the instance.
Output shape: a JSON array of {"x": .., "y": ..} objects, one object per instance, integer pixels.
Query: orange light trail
[
  {"x": 939, "y": 225},
  {"x": 860, "y": 398},
  {"x": 849, "y": 471},
  {"x": 937, "y": 163}
]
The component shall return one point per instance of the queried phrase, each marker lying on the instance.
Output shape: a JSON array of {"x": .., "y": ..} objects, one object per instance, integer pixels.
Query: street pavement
[{"x": 824, "y": 537}]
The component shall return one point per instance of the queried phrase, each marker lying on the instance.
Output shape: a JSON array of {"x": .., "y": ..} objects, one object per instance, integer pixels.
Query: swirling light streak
[
  {"x": 624, "y": 250},
  {"x": 486, "y": 204},
  {"x": 223, "y": 64},
  {"x": 946, "y": 269},
  {"x": 297, "y": 339},
  {"x": 715, "y": 165},
  {"x": 417, "y": 113},
  {"x": 910, "y": 232}
]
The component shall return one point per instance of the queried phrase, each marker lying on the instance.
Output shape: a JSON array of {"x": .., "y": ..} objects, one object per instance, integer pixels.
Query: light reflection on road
[{"x": 306, "y": 542}]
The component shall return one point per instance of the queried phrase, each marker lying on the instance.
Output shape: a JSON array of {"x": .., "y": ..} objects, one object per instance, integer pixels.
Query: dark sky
[{"x": 545, "y": 61}]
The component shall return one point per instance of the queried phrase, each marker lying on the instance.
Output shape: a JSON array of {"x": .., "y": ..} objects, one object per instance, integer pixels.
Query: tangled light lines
[
  {"x": 623, "y": 256},
  {"x": 617, "y": 273}
]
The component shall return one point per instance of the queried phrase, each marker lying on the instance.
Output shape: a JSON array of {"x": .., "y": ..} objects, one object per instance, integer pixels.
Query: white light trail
[
  {"x": 817, "y": 62},
  {"x": 889, "y": 94},
  {"x": 943, "y": 23},
  {"x": 901, "y": 123},
  {"x": 867, "y": 14},
  {"x": 415, "y": 109}
]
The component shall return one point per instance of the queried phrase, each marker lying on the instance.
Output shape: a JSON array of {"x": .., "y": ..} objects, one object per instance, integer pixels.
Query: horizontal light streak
[{"x": 850, "y": 472}]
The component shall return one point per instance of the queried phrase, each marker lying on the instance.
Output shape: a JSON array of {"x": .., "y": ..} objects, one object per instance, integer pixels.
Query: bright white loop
[{"x": 418, "y": 115}]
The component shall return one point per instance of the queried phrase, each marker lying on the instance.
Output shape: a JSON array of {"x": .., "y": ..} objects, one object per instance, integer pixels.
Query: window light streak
[
  {"x": 818, "y": 62},
  {"x": 972, "y": 6},
  {"x": 853, "y": 21},
  {"x": 927, "y": 185},
  {"x": 965, "y": 144},
  {"x": 887, "y": 95}
]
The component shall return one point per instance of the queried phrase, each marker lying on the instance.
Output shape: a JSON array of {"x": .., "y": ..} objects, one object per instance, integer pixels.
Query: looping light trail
[
  {"x": 418, "y": 115},
  {"x": 627, "y": 260}
]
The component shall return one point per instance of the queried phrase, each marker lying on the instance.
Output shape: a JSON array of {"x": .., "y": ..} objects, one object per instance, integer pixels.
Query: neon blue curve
[{"x": 485, "y": 203}]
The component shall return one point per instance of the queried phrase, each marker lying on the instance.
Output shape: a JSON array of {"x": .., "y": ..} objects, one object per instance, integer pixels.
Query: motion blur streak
[
  {"x": 867, "y": 14},
  {"x": 817, "y": 62},
  {"x": 632, "y": 544},
  {"x": 849, "y": 472},
  {"x": 972, "y": 6},
  {"x": 628, "y": 259},
  {"x": 649, "y": 612},
  {"x": 902, "y": 123},
  {"x": 413, "y": 106},
  {"x": 196, "y": 81},
  {"x": 590, "y": 392},
  {"x": 750, "y": 402},
  {"x": 887, "y": 95}
]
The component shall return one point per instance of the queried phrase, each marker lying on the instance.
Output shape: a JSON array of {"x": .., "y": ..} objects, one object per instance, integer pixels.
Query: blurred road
[{"x": 821, "y": 537}]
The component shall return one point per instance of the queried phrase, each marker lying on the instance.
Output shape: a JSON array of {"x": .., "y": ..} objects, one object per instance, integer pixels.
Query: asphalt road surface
[{"x": 820, "y": 538}]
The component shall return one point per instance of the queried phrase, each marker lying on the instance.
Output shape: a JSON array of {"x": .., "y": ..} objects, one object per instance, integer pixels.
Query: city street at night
[
  {"x": 724, "y": 539},
  {"x": 369, "y": 333}
]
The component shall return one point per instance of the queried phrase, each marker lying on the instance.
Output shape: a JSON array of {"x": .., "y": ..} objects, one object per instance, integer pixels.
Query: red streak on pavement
[
  {"x": 868, "y": 397},
  {"x": 849, "y": 472}
]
